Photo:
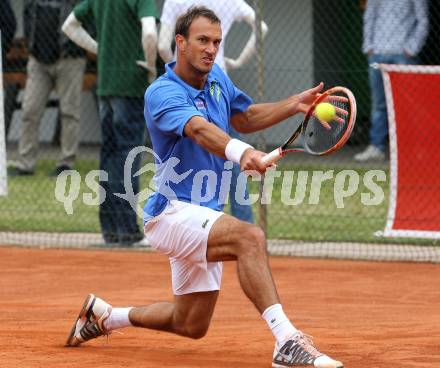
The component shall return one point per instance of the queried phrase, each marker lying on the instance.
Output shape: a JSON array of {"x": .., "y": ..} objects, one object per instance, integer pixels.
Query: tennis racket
[{"x": 312, "y": 136}]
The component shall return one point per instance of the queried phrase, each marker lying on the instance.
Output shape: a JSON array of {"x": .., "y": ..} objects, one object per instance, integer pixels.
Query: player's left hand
[{"x": 306, "y": 98}]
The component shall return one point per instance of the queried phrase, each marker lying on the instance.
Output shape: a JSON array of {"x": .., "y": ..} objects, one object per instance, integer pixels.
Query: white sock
[
  {"x": 118, "y": 319},
  {"x": 278, "y": 323}
]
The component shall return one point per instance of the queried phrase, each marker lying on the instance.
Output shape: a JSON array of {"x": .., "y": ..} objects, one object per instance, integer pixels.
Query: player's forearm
[
  {"x": 264, "y": 115},
  {"x": 207, "y": 135},
  {"x": 74, "y": 30}
]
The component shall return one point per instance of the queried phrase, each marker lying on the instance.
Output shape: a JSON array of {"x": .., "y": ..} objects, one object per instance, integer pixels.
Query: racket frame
[{"x": 281, "y": 151}]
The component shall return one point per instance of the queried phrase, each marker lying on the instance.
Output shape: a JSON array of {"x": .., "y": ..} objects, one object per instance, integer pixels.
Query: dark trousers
[{"x": 123, "y": 128}]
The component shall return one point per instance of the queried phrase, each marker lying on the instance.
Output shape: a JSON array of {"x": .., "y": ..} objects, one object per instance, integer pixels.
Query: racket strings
[{"x": 318, "y": 139}]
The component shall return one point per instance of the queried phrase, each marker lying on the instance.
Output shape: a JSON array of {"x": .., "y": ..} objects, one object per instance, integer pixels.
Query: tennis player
[
  {"x": 229, "y": 12},
  {"x": 188, "y": 112}
]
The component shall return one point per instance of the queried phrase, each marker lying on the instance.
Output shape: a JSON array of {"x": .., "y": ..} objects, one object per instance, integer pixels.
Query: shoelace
[
  {"x": 306, "y": 342},
  {"x": 92, "y": 329}
]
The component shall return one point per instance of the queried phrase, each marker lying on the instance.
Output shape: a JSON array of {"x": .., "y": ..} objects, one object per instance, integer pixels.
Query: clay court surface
[{"x": 365, "y": 314}]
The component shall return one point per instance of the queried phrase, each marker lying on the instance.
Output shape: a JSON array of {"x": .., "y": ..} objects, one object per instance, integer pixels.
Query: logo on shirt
[
  {"x": 200, "y": 105},
  {"x": 214, "y": 88}
]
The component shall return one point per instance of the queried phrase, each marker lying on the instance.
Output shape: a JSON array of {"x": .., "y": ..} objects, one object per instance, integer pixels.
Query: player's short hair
[{"x": 185, "y": 20}]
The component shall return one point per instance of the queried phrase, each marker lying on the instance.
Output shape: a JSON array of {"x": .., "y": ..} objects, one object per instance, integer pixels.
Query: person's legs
[
  {"x": 181, "y": 232},
  {"x": 379, "y": 120},
  {"x": 10, "y": 103},
  {"x": 232, "y": 239},
  {"x": 188, "y": 315},
  {"x": 379, "y": 117},
  {"x": 38, "y": 86},
  {"x": 69, "y": 81},
  {"x": 197, "y": 239},
  {"x": 107, "y": 220},
  {"x": 129, "y": 132},
  {"x": 241, "y": 211},
  {"x": 402, "y": 59}
]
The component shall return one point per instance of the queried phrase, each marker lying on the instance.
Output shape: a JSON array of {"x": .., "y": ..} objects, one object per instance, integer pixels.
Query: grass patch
[{"x": 32, "y": 206}]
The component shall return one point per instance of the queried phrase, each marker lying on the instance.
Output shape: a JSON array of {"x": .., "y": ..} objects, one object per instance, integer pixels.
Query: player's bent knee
[
  {"x": 258, "y": 236},
  {"x": 253, "y": 240},
  {"x": 196, "y": 332}
]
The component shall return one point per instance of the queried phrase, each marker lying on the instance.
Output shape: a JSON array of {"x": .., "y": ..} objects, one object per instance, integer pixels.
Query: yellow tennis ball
[{"x": 325, "y": 111}]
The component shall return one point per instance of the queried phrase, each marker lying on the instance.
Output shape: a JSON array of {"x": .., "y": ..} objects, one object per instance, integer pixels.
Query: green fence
[{"x": 307, "y": 41}]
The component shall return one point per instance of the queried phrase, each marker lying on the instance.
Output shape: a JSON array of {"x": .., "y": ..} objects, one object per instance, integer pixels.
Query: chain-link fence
[{"x": 353, "y": 195}]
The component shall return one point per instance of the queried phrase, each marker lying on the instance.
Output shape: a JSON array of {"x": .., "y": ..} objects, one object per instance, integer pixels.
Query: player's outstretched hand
[
  {"x": 251, "y": 160},
  {"x": 306, "y": 98}
]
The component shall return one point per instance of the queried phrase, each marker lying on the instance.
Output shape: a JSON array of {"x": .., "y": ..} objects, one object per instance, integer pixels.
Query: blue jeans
[
  {"x": 379, "y": 117},
  {"x": 122, "y": 129},
  {"x": 242, "y": 212}
]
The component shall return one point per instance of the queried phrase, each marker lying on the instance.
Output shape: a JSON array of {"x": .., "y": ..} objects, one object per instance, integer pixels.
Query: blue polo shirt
[{"x": 184, "y": 170}]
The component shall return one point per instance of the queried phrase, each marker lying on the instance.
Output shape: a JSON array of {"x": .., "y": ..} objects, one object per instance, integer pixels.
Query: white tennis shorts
[{"x": 181, "y": 232}]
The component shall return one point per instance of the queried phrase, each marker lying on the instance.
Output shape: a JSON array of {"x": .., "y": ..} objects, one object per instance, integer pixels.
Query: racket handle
[{"x": 272, "y": 157}]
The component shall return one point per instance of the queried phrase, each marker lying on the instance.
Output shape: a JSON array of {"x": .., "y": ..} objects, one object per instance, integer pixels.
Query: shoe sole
[{"x": 72, "y": 341}]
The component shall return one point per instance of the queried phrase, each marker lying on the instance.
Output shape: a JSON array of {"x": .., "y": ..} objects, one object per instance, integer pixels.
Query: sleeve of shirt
[
  {"x": 169, "y": 108},
  {"x": 83, "y": 11},
  {"x": 420, "y": 32},
  {"x": 143, "y": 8},
  {"x": 239, "y": 101},
  {"x": 169, "y": 13}
]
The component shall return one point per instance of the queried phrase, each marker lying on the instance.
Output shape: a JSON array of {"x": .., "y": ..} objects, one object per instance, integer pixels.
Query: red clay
[{"x": 365, "y": 314}]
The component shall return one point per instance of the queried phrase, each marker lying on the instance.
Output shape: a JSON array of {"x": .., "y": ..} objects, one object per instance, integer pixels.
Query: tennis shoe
[
  {"x": 90, "y": 322},
  {"x": 299, "y": 351},
  {"x": 371, "y": 153}
]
